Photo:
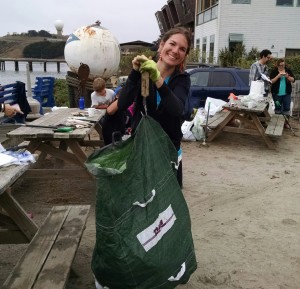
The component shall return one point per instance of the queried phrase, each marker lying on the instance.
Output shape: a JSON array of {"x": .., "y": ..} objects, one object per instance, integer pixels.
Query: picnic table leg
[
  {"x": 17, "y": 219},
  {"x": 261, "y": 130},
  {"x": 98, "y": 129},
  {"x": 221, "y": 126},
  {"x": 33, "y": 146},
  {"x": 76, "y": 149},
  {"x": 58, "y": 162}
]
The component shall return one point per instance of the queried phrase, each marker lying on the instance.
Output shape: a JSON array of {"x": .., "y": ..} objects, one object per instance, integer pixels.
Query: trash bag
[{"x": 143, "y": 227}]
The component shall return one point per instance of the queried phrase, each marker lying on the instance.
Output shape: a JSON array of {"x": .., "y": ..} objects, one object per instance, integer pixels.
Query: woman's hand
[
  {"x": 150, "y": 66},
  {"x": 290, "y": 78},
  {"x": 137, "y": 61},
  {"x": 11, "y": 110}
]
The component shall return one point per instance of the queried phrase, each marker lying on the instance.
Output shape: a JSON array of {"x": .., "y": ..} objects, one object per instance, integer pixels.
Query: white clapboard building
[{"x": 263, "y": 24}]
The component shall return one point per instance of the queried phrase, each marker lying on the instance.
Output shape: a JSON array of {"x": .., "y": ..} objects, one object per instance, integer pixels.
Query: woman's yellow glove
[{"x": 150, "y": 66}]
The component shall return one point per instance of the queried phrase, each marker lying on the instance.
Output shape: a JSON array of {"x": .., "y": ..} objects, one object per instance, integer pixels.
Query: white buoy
[{"x": 95, "y": 46}]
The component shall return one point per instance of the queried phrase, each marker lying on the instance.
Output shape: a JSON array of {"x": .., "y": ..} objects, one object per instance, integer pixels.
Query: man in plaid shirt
[{"x": 259, "y": 67}]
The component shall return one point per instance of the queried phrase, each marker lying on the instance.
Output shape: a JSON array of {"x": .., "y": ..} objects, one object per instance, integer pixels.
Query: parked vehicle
[{"x": 216, "y": 82}]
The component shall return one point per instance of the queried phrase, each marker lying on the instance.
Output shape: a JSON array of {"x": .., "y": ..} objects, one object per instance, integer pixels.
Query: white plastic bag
[
  {"x": 215, "y": 105},
  {"x": 257, "y": 88},
  {"x": 197, "y": 129},
  {"x": 186, "y": 129}
]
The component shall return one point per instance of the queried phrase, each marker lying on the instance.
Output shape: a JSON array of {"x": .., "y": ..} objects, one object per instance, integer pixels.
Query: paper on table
[
  {"x": 6, "y": 160},
  {"x": 266, "y": 78}
]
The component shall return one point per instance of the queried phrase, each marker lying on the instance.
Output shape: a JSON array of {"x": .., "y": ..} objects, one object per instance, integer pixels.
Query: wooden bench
[
  {"x": 4, "y": 139},
  {"x": 15, "y": 225},
  {"x": 49, "y": 256},
  {"x": 275, "y": 126},
  {"x": 214, "y": 121},
  {"x": 43, "y": 91}
]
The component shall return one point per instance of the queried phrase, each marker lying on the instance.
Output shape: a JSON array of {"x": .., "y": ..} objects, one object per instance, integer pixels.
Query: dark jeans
[
  {"x": 282, "y": 103},
  {"x": 111, "y": 124},
  {"x": 18, "y": 118}
]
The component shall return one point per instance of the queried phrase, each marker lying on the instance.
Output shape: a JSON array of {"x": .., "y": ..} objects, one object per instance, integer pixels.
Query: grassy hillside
[{"x": 12, "y": 46}]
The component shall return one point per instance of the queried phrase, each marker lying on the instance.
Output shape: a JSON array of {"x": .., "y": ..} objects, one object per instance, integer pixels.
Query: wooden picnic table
[
  {"x": 251, "y": 121},
  {"x": 51, "y": 246},
  {"x": 15, "y": 225},
  {"x": 65, "y": 147}
]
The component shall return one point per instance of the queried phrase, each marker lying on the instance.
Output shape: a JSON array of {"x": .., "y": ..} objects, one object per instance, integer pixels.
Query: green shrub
[
  {"x": 44, "y": 49},
  {"x": 293, "y": 62},
  {"x": 240, "y": 58},
  {"x": 61, "y": 92}
]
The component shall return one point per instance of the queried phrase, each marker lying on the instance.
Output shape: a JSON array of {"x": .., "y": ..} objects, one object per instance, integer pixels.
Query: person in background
[
  {"x": 113, "y": 120},
  {"x": 260, "y": 67},
  {"x": 101, "y": 97},
  {"x": 281, "y": 89},
  {"x": 168, "y": 88}
]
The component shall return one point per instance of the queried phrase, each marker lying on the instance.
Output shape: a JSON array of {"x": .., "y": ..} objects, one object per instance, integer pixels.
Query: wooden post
[
  {"x": 16, "y": 65},
  {"x": 2, "y": 65}
]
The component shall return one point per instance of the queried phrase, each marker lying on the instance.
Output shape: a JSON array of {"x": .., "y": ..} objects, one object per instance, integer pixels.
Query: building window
[
  {"x": 200, "y": 19},
  {"x": 214, "y": 12},
  {"x": 205, "y": 4},
  {"x": 198, "y": 43},
  {"x": 184, "y": 7},
  {"x": 211, "y": 48},
  {"x": 204, "y": 49},
  {"x": 207, "y": 10},
  {"x": 241, "y": 2},
  {"x": 292, "y": 52},
  {"x": 234, "y": 40},
  {"x": 284, "y": 2}
]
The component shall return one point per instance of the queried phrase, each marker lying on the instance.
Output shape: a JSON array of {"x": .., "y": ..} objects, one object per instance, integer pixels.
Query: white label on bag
[{"x": 151, "y": 235}]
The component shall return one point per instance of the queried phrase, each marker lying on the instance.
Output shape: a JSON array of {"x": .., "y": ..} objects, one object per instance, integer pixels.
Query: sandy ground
[{"x": 244, "y": 202}]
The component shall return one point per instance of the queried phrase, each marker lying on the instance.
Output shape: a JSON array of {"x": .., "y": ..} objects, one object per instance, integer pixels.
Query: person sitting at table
[
  {"x": 115, "y": 120},
  {"x": 10, "y": 110},
  {"x": 102, "y": 96}
]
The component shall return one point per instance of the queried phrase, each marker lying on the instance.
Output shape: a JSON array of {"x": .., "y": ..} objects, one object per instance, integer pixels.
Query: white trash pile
[{"x": 192, "y": 130}]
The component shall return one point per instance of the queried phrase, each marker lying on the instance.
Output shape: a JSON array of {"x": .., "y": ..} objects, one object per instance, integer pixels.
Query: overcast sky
[{"x": 129, "y": 20}]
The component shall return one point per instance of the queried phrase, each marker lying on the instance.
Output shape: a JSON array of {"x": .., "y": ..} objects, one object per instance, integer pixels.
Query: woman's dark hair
[
  {"x": 279, "y": 61},
  {"x": 179, "y": 30}
]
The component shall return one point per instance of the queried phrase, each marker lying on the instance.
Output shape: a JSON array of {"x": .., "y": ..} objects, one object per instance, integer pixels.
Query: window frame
[
  {"x": 240, "y": 1},
  {"x": 220, "y": 79},
  {"x": 200, "y": 76},
  {"x": 286, "y": 4}
]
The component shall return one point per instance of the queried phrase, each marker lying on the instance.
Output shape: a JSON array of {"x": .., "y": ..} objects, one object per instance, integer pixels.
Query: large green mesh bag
[{"x": 143, "y": 228}]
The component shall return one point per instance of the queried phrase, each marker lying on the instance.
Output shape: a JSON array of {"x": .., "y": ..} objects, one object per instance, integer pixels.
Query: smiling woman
[{"x": 168, "y": 88}]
